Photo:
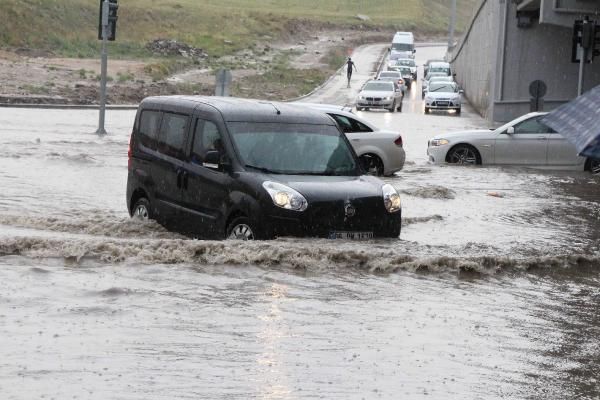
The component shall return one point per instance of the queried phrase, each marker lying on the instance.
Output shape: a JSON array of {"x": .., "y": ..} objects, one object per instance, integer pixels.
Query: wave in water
[
  {"x": 314, "y": 255},
  {"x": 94, "y": 222}
]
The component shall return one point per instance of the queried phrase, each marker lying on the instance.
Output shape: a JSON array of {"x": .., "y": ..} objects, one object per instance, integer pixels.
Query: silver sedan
[
  {"x": 379, "y": 94},
  {"x": 380, "y": 151},
  {"x": 524, "y": 141}
]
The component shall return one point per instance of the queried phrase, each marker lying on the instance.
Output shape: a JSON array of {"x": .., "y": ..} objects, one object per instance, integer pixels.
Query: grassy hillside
[{"x": 69, "y": 27}]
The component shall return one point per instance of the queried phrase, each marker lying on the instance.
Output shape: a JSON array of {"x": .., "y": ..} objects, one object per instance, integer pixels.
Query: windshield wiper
[
  {"x": 440, "y": 88},
  {"x": 262, "y": 169}
]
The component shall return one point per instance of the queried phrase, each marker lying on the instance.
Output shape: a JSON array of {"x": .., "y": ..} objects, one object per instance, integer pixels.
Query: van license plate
[{"x": 351, "y": 235}]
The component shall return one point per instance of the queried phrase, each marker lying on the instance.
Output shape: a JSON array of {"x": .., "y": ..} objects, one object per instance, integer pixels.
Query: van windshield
[
  {"x": 444, "y": 70},
  {"x": 402, "y": 47},
  {"x": 293, "y": 149}
]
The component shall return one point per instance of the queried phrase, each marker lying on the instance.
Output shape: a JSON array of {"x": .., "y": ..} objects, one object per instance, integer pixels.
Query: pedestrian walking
[{"x": 349, "y": 67}]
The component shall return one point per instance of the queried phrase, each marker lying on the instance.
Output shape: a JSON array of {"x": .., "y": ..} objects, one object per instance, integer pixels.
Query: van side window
[
  {"x": 149, "y": 124},
  {"x": 206, "y": 138},
  {"x": 172, "y": 134}
]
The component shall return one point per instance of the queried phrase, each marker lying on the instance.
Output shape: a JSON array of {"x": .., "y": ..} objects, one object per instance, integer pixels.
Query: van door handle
[
  {"x": 179, "y": 178},
  {"x": 184, "y": 179}
]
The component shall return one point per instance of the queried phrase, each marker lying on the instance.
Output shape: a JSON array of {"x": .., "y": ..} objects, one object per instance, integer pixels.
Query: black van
[{"x": 221, "y": 167}]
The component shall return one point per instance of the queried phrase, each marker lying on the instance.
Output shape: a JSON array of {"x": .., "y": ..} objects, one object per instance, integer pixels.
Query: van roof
[
  {"x": 439, "y": 64},
  {"x": 245, "y": 110}
]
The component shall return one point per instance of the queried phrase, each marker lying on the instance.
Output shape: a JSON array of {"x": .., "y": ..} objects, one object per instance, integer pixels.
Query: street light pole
[
  {"x": 452, "y": 25},
  {"x": 103, "y": 68}
]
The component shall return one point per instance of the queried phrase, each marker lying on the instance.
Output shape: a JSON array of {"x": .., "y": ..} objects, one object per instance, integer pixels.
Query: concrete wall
[
  {"x": 496, "y": 61},
  {"x": 474, "y": 58},
  {"x": 540, "y": 52}
]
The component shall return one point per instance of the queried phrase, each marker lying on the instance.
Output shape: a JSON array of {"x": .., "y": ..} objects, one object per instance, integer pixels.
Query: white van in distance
[{"x": 403, "y": 46}]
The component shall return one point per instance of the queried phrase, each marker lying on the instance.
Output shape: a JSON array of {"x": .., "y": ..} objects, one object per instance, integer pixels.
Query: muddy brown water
[{"x": 482, "y": 297}]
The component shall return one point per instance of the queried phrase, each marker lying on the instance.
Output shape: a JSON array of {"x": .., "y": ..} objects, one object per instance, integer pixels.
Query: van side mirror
[
  {"x": 212, "y": 159},
  {"x": 461, "y": 91},
  {"x": 510, "y": 130}
]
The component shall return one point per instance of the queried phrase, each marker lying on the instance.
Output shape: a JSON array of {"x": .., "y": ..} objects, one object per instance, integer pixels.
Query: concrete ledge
[{"x": 70, "y": 106}]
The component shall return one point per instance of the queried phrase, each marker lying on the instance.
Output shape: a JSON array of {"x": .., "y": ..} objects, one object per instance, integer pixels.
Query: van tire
[
  {"x": 142, "y": 210},
  {"x": 241, "y": 228}
]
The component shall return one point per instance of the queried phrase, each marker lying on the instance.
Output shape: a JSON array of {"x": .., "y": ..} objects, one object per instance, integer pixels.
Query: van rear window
[{"x": 149, "y": 124}]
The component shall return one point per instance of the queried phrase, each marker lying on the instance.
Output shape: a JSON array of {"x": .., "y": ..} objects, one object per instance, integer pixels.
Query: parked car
[
  {"x": 381, "y": 152},
  {"x": 425, "y": 83},
  {"x": 379, "y": 94},
  {"x": 393, "y": 76},
  {"x": 524, "y": 141},
  {"x": 443, "y": 96},
  {"x": 406, "y": 62},
  {"x": 221, "y": 167}
]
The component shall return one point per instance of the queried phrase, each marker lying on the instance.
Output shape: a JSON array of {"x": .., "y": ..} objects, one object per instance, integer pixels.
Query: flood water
[{"x": 492, "y": 290}]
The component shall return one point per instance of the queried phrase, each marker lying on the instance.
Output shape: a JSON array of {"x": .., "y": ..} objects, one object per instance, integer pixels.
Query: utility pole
[
  {"x": 107, "y": 30},
  {"x": 452, "y": 25},
  {"x": 103, "y": 66}
]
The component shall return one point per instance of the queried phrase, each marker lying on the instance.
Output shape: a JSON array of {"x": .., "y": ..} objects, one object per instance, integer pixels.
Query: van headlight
[
  {"x": 391, "y": 199},
  {"x": 285, "y": 197}
]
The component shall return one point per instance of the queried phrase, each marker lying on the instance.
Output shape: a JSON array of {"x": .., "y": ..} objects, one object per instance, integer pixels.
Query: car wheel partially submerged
[
  {"x": 463, "y": 154},
  {"x": 372, "y": 164},
  {"x": 142, "y": 210},
  {"x": 594, "y": 166},
  {"x": 241, "y": 229}
]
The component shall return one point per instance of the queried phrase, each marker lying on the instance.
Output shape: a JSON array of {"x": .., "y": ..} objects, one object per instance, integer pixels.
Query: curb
[{"x": 70, "y": 106}]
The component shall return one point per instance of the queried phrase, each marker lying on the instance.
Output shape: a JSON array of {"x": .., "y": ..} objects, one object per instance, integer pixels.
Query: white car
[
  {"x": 524, "y": 141},
  {"x": 380, "y": 151},
  {"x": 380, "y": 94},
  {"x": 443, "y": 96},
  {"x": 425, "y": 83}
]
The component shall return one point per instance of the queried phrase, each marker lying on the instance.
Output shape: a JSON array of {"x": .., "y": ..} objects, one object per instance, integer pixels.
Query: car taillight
[
  {"x": 398, "y": 142},
  {"x": 129, "y": 152}
]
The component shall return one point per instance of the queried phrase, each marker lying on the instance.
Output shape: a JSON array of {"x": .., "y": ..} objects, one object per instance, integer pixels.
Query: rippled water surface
[{"x": 492, "y": 290}]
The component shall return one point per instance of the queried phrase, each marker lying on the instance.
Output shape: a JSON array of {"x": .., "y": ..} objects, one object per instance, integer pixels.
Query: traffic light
[
  {"x": 110, "y": 21},
  {"x": 585, "y": 33}
]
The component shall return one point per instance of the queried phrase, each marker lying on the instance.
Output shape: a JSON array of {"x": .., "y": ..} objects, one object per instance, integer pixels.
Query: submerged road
[{"x": 482, "y": 297}]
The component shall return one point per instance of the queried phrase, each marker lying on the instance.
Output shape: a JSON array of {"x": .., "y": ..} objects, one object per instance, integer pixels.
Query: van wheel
[
  {"x": 393, "y": 107},
  {"x": 241, "y": 229},
  {"x": 426, "y": 110},
  {"x": 359, "y": 108},
  {"x": 142, "y": 210}
]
